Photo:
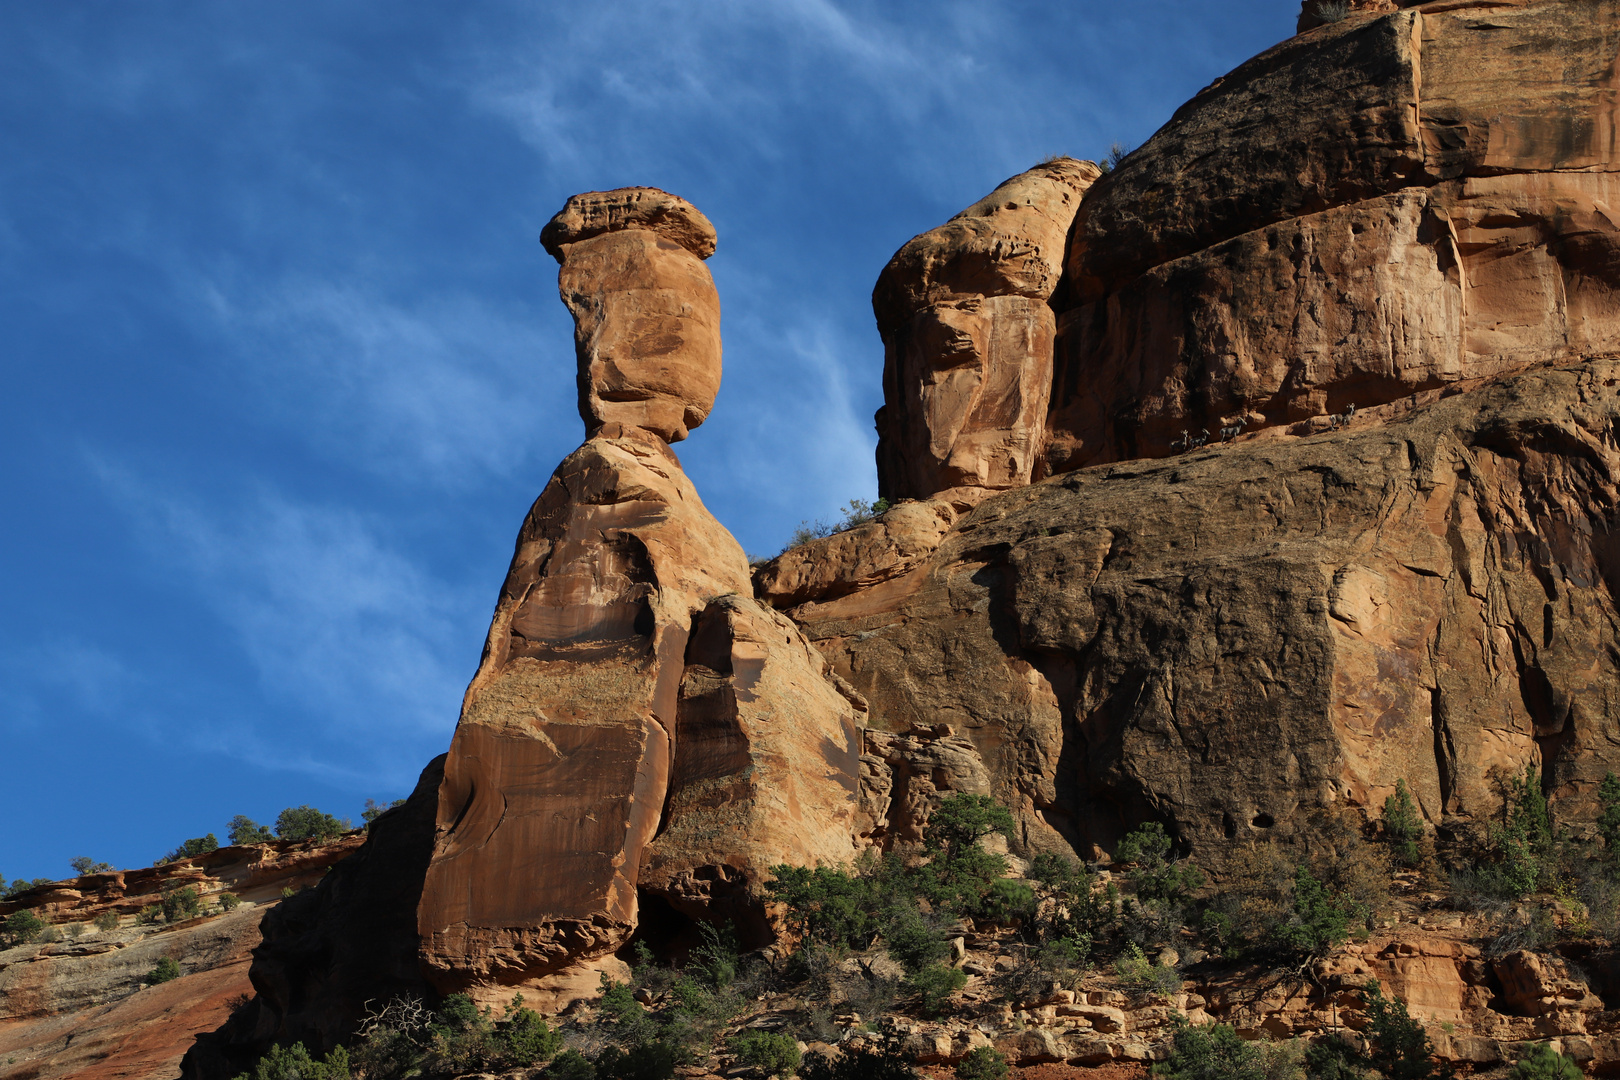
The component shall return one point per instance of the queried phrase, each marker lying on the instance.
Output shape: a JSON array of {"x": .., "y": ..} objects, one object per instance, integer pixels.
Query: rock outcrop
[
  {"x": 78, "y": 1005},
  {"x": 1232, "y": 640},
  {"x": 640, "y": 727},
  {"x": 1386, "y": 205},
  {"x": 646, "y": 314},
  {"x": 967, "y": 339}
]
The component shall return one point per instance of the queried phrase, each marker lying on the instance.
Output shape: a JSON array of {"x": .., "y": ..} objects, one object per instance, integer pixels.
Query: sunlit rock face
[
  {"x": 967, "y": 338},
  {"x": 639, "y": 724},
  {"x": 1386, "y": 205}
]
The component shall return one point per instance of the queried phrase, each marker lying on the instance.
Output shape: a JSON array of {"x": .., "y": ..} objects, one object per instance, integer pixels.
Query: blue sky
[{"x": 283, "y": 361}]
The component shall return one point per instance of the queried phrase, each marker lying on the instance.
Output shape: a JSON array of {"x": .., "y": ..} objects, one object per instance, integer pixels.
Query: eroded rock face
[
  {"x": 646, "y": 314},
  {"x": 968, "y": 337},
  {"x": 559, "y": 770},
  {"x": 1383, "y": 206},
  {"x": 1232, "y": 640}
]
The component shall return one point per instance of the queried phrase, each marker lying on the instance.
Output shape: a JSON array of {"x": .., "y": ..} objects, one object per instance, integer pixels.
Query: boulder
[
  {"x": 968, "y": 337},
  {"x": 646, "y": 313}
]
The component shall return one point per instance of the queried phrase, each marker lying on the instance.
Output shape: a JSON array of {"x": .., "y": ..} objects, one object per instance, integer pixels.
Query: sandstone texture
[
  {"x": 78, "y": 1006},
  {"x": 1385, "y": 205},
  {"x": 638, "y": 720},
  {"x": 1231, "y": 640},
  {"x": 967, "y": 339},
  {"x": 646, "y": 314}
]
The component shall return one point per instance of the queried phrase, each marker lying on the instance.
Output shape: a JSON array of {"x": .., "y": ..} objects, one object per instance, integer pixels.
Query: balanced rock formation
[
  {"x": 640, "y": 728},
  {"x": 967, "y": 339},
  {"x": 1386, "y": 205},
  {"x": 646, "y": 314}
]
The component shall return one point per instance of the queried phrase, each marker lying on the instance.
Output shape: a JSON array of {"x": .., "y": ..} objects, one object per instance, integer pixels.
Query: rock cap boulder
[{"x": 593, "y": 213}]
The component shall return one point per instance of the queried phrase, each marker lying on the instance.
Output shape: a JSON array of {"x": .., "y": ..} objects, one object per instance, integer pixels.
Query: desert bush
[
  {"x": 85, "y": 865},
  {"x": 1331, "y": 11},
  {"x": 294, "y": 1063},
  {"x": 244, "y": 830},
  {"x": 308, "y": 823},
  {"x": 887, "y": 1062},
  {"x": 76, "y": 930},
  {"x": 1333, "y": 1058},
  {"x": 653, "y": 1059},
  {"x": 1398, "y": 1047},
  {"x": 190, "y": 849},
  {"x": 1069, "y": 906},
  {"x": 1211, "y": 1052},
  {"x": 1320, "y": 920},
  {"x": 570, "y": 1065},
  {"x": 982, "y": 1063},
  {"x": 1545, "y": 1063},
  {"x": 178, "y": 904},
  {"x": 20, "y": 886},
  {"x": 22, "y": 927},
  {"x": 151, "y": 913},
  {"x": 1133, "y": 968},
  {"x": 107, "y": 920},
  {"x": 1529, "y": 926},
  {"x": 228, "y": 901},
  {"x": 1521, "y": 847},
  {"x": 826, "y": 905},
  {"x": 913, "y": 941},
  {"x": 766, "y": 1052},
  {"x": 1608, "y": 819},
  {"x": 935, "y": 984},
  {"x": 1153, "y": 873},
  {"x": 856, "y": 512},
  {"x": 389, "y": 1040},
  {"x": 375, "y": 809},
  {"x": 1403, "y": 826},
  {"x": 166, "y": 970}
]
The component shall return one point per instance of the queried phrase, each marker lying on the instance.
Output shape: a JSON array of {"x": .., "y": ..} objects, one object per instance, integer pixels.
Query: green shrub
[
  {"x": 1608, "y": 821},
  {"x": 1545, "y": 1063},
  {"x": 1334, "y": 1059},
  {"x": 570, "y": 1065},
  {"x": 982, "y": 1063},
  {"x": 856, "y": 512},
  {"x": 1211, "y": 1052},
  {"x": 1133, "y": 968},
  {"x": 375, "y": 810},
  {"x": 190, "y": 849},
  {"x": 294, "y": 1063},
  {"x": 178, "y": 904},
  {"x": 229, "y": 901},
  {"x": 244, "y": 830},
  {"x": 767, "y": 1052},
  {"x": 84, "y": 865},
  {"x": 913, "y": 941},
  {"x": 825, "y": 905},
  {"x": 653, "y": 1059},
  {"x": 1521, "y": 847},
  {"x": 308, "y": 823},
  {"x": 1399, "y": 1047},
  {"x": 75, "y": 930},
  {"x": 288, "y": 892},
  {"x": 1153, "y": 874},
  {"x": 859, "y": 1063},
  {"x": 618, "y": 1002},
  {"x": 961, "y": 821},
  {"x": 23, "y": 927},
  {"x": 524, "y": 1037},
  {"x": 935, "y": 984},
  {"x": 151, "y": 913},
  {"x": 1320, "y": 920},
  {"x": 1403, "y": 826},
  {"x": 167, "y": 970}
]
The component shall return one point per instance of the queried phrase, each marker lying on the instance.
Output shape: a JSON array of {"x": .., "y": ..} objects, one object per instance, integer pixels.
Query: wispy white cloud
[
  {"x": 354, "y": 644},
  {"x": 443, "y": 391}
]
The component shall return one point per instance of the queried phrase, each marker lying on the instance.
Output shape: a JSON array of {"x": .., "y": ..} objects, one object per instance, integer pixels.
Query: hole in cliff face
[
  {"x": 1228, "y": 826},
  {"x": 1263, "y": 821}
]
